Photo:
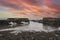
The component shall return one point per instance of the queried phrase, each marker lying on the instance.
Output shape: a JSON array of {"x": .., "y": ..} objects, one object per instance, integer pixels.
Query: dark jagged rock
[
  {"x": 55, "y": 22},
  {"x": 14, "y": 20},
  {"x": 54, "y": 35}
]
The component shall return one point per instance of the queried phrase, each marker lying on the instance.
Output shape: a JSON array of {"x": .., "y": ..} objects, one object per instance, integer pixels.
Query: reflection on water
[
  {"x": 32, "y": 26},
  {"x": 33, "y": 30},
  {"x": 51, "y": 27},
  {"x": 51, "y": 23},
  {"x": 11, "y": 26}
]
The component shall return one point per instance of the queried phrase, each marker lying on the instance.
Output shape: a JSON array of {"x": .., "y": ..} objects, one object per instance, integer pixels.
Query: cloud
[{"x": 30, "y": 8}]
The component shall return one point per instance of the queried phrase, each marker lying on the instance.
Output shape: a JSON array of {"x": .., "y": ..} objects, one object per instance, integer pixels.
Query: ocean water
[{"x": 33, "y": 26}]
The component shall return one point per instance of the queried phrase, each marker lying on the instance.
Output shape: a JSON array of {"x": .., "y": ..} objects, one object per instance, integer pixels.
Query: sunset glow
[{"x": 31, "y": 8}]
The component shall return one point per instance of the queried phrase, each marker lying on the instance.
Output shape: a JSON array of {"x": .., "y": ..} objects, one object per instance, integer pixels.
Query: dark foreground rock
[{"x": 55, "y": 35}]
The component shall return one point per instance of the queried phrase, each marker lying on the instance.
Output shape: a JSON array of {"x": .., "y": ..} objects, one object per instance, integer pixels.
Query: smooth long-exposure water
[
  {"x": 35, "y": 26},
  {"x": 33, "y": 31}
]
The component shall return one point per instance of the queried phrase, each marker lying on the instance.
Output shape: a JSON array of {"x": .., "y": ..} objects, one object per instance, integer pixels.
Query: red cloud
[{"x": 33, "y": 8}]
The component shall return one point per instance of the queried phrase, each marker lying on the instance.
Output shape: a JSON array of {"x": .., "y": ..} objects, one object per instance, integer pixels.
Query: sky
[{"x": 29, "y": 8}]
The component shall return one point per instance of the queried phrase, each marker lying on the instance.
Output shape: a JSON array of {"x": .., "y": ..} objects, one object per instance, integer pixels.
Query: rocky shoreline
[{"x": 26, "y": 35}]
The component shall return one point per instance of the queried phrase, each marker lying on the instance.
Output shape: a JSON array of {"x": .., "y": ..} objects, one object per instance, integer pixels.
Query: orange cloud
[{"x": 30, "y": 8}]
